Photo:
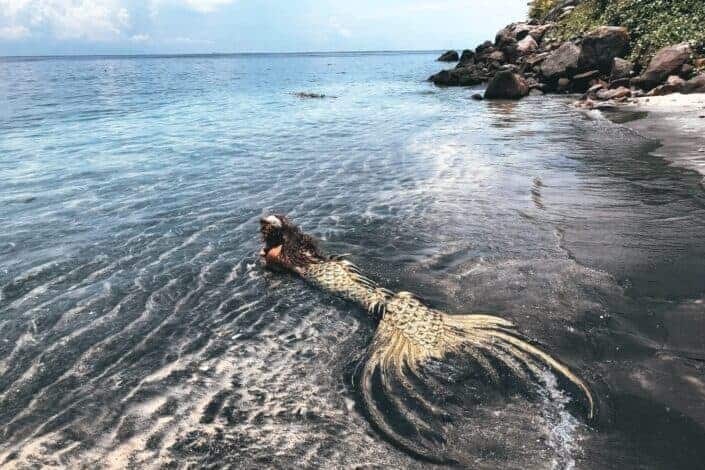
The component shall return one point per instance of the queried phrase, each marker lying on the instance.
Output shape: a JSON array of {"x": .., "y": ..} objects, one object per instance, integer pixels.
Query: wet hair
[{"x": 298, "y": 249}]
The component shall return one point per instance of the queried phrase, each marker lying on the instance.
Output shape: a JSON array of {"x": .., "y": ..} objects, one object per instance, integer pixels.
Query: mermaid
[{"x": 409, "y": 335}]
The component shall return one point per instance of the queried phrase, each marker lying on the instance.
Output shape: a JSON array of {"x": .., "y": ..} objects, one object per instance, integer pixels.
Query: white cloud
[
  {"x": 190, "y": 41},
  {"x": 11, "y": 33},
  {"x": 140, "y": 37},
  {"x": 200, "y": 6},
  {"x": 68, "y": 19},
  {"x": 206, "y": 6}
]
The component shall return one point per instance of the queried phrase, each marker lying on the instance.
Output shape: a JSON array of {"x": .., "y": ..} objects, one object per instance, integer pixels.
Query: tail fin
[{"x": 394, "y": 365}]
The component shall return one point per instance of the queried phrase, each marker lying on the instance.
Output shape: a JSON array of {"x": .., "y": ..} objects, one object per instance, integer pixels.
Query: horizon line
[{"x": 201, "y": 54}]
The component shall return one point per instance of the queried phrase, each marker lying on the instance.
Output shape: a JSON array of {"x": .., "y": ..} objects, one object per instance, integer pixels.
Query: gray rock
[
  {"x": 496, "y": 56},
  {"x": 601, "y": 46},
  {"x": 467, "y": 58},
  {"x": 538, "y": 32},
  {"x": 620, "y": 82},
  {"x": 563, "y": 84},
  {"x": 512, "y": 32},
  {"x": 686, "y": 71},
  {"x": 464, "y": 76},
  {"x": 449, "y": 56},
  {"x": 485, "y": 47},
  {"x": 527, "y": 45},
  {"x": 674, "y": 84},
  {"x": 477, "y": 97},
  {"x": 563, "y": 62},
  {"x": 667, "y": 61},
  {"x": 621, "y": 68},
  {"x": 622, "y": 92},
  {"x": 583, "y": 81},
  {"x": 536, "y": 59},
  {"x": 506, "y": 85},
  {"x": 695, "y": 84}
]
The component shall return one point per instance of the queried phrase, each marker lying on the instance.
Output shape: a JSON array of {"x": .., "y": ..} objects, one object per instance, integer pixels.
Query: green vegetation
[
  {"x": 652, "y": 24},
  {"x": 540, "y": 8}
]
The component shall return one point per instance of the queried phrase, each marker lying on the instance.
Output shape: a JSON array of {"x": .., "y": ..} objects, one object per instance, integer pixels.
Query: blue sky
[{"x": 36, "y": 27}]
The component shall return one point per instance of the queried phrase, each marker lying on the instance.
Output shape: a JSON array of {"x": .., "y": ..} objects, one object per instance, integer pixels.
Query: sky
[{"x": 50, "y": 27}]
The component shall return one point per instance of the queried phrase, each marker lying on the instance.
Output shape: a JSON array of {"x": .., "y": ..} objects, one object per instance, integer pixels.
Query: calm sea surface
[{"x": 138, "y": 329}]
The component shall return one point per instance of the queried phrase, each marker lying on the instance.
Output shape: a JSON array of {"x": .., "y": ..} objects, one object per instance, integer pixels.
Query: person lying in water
[{"x": 409, "y": 334}]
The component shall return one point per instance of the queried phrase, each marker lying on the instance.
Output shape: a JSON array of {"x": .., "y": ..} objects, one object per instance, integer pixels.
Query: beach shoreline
[{"x": 677, "y": 122}]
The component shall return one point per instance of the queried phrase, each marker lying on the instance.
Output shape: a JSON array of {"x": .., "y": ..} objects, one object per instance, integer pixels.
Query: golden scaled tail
[{"x": 394, "y": 367}]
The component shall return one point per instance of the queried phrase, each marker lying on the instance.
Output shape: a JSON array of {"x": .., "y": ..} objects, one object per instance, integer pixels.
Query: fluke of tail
[{"x": 410, "y": 335}]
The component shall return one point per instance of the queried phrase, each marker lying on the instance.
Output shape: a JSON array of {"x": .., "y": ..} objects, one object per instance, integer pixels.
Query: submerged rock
[
  {"x": 304, "y": 94},
  {"x": 601, "y": 46},
  {"x": 666, "y": 62},
  {"x": 449, "y": 56},
  {"x": 563, "y": 62},
  {"x": 506, "y": 85}
]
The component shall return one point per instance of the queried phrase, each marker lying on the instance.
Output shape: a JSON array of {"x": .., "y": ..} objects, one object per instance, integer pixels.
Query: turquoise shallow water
[{"x": 138, "y": 328}]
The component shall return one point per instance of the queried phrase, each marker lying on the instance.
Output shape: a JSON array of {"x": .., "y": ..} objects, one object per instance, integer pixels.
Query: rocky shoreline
[{"x": 525, "y": 60}]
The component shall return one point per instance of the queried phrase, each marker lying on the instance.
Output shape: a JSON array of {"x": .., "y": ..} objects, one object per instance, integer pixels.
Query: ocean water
[{"x": 139, "y": 330}]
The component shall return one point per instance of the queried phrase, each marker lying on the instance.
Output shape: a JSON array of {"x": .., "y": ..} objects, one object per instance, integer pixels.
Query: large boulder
[
  {"x": 621, "y": 69},
  {"x": 506, "y": 85},
  {"x": 449, "y": 56},
  {"x": 509, "y": 50},
  {"x": 512, "y": 32},
  {"x": 484, "y": 48},
  {"x": 601, "y": 46},
  {"x": 527, "y": 45},
  {"x": 463, "y": 76},
  {"x": 667, "y": 61},
  {"x": 562, "y": 62},
  {"x": 467, "y": 58}
]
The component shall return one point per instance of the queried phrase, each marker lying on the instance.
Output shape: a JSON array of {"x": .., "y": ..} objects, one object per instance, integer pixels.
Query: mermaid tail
[{"x": 411, "y": 335}]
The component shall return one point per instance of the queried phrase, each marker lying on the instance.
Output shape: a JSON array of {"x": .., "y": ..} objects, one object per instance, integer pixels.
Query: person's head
[{"x": 285, "y": 245}]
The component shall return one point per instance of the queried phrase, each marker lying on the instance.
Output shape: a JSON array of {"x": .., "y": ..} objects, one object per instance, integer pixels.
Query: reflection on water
[{"x": 137, "y": 328}]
